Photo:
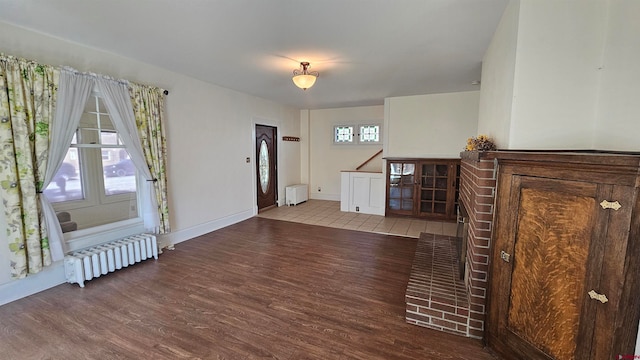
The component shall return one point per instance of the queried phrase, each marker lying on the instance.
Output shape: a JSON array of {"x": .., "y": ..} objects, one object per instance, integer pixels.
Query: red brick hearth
[{"x": 436, "y": 297}]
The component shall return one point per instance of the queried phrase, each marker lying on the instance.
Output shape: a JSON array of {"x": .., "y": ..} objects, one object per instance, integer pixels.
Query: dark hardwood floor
[{"x": 259, "y": 289}]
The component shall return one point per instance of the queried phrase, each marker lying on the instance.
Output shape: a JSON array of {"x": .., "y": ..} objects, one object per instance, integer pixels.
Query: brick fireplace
[
  {"x": 477, "y": 195},
  {"x": 443, "y": 292}
]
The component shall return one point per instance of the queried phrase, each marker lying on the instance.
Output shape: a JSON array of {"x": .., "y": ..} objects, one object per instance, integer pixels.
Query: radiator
[
  {"x": 90, "y": 263},
  {"x": 295, "y": 194}
]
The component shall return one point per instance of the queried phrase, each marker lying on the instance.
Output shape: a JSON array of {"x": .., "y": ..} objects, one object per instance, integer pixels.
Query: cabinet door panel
[
  {"x": 550, "y": 258},
  {"x": 547, "y": 228},
  {"x": 438, "y": 188},
  {"x": 401, "y": 187},
  {"x": 605, "y": 343},
  {"x": 425, "y": 188}
]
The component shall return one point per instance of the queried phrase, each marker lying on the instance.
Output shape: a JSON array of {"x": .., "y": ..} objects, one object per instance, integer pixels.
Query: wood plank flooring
[{"x": 260, "y": 289}]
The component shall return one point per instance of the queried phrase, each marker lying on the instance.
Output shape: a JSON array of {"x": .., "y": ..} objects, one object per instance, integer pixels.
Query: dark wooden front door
[{"x": 266, "y": 167}]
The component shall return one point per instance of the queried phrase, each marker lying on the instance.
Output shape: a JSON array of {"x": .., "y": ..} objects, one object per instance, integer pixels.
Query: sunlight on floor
[{"x": 327, "y": 213}]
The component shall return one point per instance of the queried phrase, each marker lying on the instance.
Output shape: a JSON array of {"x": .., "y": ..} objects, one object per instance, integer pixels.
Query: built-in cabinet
[
  {"x": 565, "y": 256},
  {"x": 426, "y": 188}
]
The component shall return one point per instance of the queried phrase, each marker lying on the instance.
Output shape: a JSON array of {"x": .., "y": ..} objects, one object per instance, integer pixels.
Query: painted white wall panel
[
  {"x": 618, "y": 118},
  {"x": 435, "y": 125},
  {"x": 362, "y": 192},
  {"x": 377, "y": 193},
  {"x": 559, "y": 51}
]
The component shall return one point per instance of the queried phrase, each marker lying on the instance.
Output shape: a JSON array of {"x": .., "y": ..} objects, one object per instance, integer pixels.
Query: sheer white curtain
[
  {"x": 73, "y": 91},
  {"x": 118, "y": 102}
]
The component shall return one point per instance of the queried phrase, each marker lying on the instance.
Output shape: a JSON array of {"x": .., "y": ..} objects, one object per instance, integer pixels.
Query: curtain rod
[{"x": 4, "y": 56}]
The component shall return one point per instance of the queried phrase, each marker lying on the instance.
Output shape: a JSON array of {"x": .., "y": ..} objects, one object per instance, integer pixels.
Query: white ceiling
[{"x": 365, "y": 50}]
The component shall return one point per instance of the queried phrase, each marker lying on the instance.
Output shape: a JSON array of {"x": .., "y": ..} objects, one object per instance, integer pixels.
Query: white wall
[
  {"x": 575, "y": 76},
  {"x": 430, "y": 126},
  {"x": 210, "y": 132},
  {"x": 305, "y": 140},
  {"x": 498, "y": 71},
  {"x": 618, "y": 118},
  {"x": 559, "y": 51},
  {"x": 327, "y": 159}
]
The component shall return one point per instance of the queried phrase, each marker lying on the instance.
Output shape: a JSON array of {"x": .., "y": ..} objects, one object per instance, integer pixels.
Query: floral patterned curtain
[
  {"x": 27, "y": 101},
  {"x": 148, "y": 107}
]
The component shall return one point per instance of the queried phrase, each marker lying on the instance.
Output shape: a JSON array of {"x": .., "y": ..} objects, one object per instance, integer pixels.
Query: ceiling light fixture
[{"x": 304, "y": 79}]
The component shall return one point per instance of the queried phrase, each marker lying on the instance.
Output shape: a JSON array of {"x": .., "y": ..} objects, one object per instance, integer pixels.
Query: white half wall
[
  {"x": 430, "y": 126},
  {"x": 327, "y": 159}
]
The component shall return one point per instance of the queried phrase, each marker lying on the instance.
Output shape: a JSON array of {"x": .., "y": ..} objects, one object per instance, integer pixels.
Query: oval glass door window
[{"x": 263, "y": 164}]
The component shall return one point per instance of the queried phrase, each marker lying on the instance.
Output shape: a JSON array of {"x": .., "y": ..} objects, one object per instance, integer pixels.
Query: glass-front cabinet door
[
  {"x": 401, "y": 187},
  {"x": 438, "y": 181},
  {"x": 426, "y": 188}
]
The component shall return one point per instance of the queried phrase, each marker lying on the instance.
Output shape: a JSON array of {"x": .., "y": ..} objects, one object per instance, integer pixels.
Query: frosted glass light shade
[{"x": 304, "y": 81}]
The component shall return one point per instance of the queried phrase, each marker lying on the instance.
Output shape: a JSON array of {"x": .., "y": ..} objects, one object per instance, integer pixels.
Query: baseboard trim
[
  {"x": 17, "y": 289},
  {"x": 331, "y": 197},
  {"x": 201, "y": 229}
]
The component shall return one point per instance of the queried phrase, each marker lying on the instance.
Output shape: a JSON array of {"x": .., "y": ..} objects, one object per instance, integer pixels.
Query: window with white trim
[
  {"x": 369, "y": 133},
  {"x": 343, "y": 134},
  {"x": 97, "y": 179}
]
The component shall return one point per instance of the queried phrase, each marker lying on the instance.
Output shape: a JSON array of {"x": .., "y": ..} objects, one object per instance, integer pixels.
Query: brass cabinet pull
[
  {"x": 610, "y": 205},
  {"x": 600, "y": 297}
]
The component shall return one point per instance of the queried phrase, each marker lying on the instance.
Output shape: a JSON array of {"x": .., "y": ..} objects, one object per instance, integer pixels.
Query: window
[
  {"x": 343, "y": 134},
  {"x": 97, "y": 182},
  {"x": 367, "y": 134}
]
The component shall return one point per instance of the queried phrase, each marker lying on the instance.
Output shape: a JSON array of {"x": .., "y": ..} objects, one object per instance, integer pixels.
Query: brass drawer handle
[
  {"x": 610, "y": 205},
  {"x": 600, "y": 297}
]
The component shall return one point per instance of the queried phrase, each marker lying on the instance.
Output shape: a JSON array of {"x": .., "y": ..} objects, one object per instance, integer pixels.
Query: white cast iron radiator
[
  {"x": 90, "y": 263},
  {"x": 295, "y": 194}
]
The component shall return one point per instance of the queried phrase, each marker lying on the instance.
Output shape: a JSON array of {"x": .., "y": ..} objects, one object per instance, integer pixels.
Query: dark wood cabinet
[
  {"x": 426, "y": 188},
  {"x": 564, "y": 265}
]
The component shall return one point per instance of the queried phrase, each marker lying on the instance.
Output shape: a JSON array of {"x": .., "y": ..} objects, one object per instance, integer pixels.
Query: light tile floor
[{"x": 327, "y": 213}]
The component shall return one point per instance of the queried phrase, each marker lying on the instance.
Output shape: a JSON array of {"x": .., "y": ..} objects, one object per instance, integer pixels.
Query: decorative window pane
[
  {"x": 109, "y": 138},
  {"x": 263, "y": 166},
  {"x": 343, "y": 134},
  {"x": 119, "y": 175},
  {"x": 67, "y": 182},
  {"x": 369, "y": 133}
]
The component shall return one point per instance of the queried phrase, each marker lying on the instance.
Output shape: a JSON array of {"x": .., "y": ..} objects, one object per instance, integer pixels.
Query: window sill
[{"x": 81, "y": 239}]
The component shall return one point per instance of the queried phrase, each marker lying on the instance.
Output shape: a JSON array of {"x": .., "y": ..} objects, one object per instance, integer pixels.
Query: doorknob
[{"x": 600, "y": 297}]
